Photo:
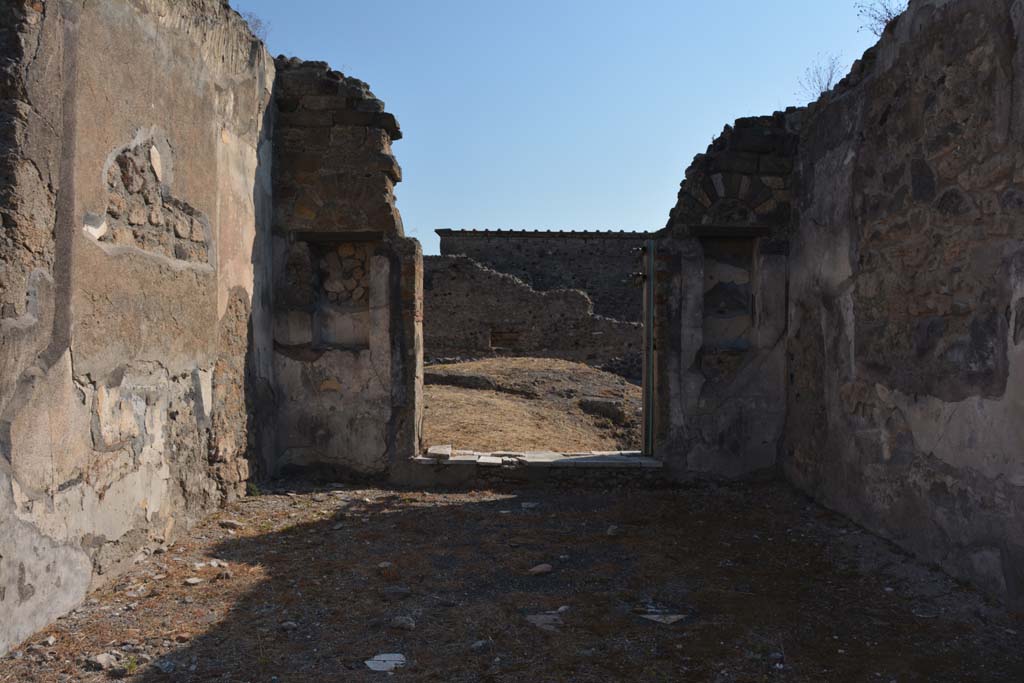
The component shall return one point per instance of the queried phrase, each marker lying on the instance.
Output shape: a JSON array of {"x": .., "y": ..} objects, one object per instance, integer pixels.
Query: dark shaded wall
[
  {"x": 905, "y": 404},
  {"x": 868, "y": 337},
  {"x": 599, "y": 263},
  {"x": 720, "y": 303},
  {"x": 472, "y": 310},
  {"x": 348, "y": 284}
]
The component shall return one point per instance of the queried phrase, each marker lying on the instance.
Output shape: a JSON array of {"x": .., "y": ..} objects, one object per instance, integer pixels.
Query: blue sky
[{"x": 564, "y": 114}]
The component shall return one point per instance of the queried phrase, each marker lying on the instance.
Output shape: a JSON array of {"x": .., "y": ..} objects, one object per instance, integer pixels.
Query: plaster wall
[
  {"x": 348, "y": 284},
  {"x": 130, "y": 366},
  {"x": 904, "y": 400}
]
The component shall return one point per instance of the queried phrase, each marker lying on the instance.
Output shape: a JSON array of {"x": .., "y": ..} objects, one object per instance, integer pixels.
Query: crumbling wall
[
  {"x": 905, "y": 404},
  {"x": 472, "y": 310},
  {"x": 599, "y": 263},
  {"x": 134, "y": 326},
  {"x": 348, "y": 284},
  {"x": 720, "y": 281}
]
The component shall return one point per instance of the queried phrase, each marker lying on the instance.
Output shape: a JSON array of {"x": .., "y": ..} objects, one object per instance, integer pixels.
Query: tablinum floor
[{"x": 706, "y": 583}]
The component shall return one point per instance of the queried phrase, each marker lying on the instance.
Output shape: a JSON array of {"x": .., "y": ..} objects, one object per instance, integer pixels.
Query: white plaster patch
[
  {"x": 716, "y": 272},
  {"x": 95, "y": 227},
  {"x": 157, "y": 163}
]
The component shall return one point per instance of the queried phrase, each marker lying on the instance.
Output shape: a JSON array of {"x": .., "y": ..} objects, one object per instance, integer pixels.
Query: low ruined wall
[
  {"x": 134, "y": 327},
  {"x": 472, "y": 310},
  {"x": 906, "y": 391},
  {"x": 347, "y": 285},
  {"x": 599, "y": 263}
]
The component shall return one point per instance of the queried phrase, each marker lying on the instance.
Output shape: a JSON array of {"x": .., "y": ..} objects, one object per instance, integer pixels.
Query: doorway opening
[{"x": 536, "y": 347}]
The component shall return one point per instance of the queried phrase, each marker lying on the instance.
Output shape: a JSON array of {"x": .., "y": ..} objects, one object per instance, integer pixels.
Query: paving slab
[{"x": 444, "y": 451}]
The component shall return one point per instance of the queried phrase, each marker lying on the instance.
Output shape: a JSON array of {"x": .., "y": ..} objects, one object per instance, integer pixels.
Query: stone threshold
[{"x": 446, "y": 456}]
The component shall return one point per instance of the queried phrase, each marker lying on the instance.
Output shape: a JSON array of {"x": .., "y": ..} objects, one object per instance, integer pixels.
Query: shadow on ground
[{"x": 768, "y": 587}]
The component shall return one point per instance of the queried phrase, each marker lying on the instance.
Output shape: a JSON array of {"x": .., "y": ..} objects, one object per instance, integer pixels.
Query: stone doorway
[{"x": 518, "y": 377}]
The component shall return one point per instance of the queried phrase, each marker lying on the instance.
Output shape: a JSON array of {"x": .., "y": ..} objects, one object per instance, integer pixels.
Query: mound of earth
[{"x": 530, "y": 404}]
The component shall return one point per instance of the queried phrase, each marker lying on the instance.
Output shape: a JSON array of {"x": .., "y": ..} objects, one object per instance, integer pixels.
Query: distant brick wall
[
  {"x": 472, "y": 310},
  {"x": 599, "y": 263}
]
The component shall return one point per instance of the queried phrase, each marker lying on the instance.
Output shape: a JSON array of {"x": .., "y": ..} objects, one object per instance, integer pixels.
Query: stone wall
[
  {"x": 348, "y": 292},
  {"x": 720, "y": 304},
  {"x": 134, "y": 261},
  {"x": 203, "y": 278},
  {"x": 599, "y": 263},
  {"x": 472, "y": 310},
  {"x": 905, "y": 399},
  {"x": 876, "y": 354}
]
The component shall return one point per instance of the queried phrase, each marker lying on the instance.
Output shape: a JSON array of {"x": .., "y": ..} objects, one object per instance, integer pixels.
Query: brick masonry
[
  {"x": 472, "y": 311},
  {"x": 347, "y": 292},
  {"x": 598, "y": 263}
]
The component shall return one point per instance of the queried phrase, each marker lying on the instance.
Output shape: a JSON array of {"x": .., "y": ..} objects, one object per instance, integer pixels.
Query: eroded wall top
[{"x": 335, "y": 170}]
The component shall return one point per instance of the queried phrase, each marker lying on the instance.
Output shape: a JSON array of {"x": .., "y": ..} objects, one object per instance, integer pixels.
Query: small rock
[
  {"x": 668, "y": 619},
  {"x": 385, "y": 662},
  {"x": 548, "y": 621},
  {"x": 541, "y": 569},
  {"x": 164, "y": 665},
  {"x": 231, "y": 524},
  {"x": 137, "y": 215},
  {"x": 193, "y": 581},
  {"x": 102, "y": 662},
  {"x": 613, "y": 531},
  {"x": 529, "y": 506},
  {"x": 289, "y": 625},
  {"x": 116, "y": 205},
  {"x": 403, "y": 623},
  {"x": 50, "y": 641},
  {"x": 198, "y": 231},
  {"x": 396, "y": 592},
  {"x": 182, "y": 227},
  {"x": 480, "y": 645}
]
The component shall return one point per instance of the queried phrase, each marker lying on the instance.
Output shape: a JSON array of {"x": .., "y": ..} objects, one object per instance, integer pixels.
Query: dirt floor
[
  {"x": 760, "y": 585},
  {"x": 524, "y": 404}
]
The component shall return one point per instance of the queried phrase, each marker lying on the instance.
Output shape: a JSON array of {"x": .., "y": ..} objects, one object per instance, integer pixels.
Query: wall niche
[{"x": 341, "y": 316}]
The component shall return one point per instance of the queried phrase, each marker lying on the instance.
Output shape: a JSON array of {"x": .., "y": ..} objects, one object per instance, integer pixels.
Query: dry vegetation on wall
[
  {"x": 828, "y": 69},
  {"x": 820, "y": 77},
  {"x": 520, "y": 404},
  {"x": 259, "y": 27},
  {"x": 878, "y": 14}
]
